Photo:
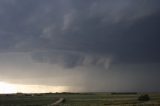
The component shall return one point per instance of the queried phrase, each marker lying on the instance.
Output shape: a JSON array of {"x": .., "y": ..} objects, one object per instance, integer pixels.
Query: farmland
[{"x": 79, "y": 99}]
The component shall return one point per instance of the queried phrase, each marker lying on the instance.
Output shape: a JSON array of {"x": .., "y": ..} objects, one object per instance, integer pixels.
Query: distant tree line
[{"x": 124, "y": 93}]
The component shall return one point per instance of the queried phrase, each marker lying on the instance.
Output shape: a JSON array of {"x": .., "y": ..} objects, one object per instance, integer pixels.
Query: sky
[{"x": 80, "y": 45}]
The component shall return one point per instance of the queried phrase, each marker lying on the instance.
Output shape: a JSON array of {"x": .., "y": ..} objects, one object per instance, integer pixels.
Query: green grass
[
  {"x": 26, "y": 100},
  {"x": 89, "y": 99}
]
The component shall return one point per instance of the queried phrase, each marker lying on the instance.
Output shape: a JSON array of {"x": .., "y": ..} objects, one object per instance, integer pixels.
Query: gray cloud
[
  {"x": 72, "y": 59},
  {"x": 125, "y": 29},
  {"x": 96, "y": 34}
]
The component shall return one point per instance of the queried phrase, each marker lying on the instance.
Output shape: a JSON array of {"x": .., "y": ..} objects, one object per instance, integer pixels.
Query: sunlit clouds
[{"x": 15, "y": 88}]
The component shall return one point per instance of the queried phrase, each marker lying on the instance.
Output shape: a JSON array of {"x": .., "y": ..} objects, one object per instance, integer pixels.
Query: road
[{"x": 56, "y": 103}]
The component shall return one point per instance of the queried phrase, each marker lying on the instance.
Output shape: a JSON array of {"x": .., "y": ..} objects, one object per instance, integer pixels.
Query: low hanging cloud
[
  {"x": 90, "y": 31},
  {"x": 74, "y": 42},
  {"x": 72, "y": 59}
]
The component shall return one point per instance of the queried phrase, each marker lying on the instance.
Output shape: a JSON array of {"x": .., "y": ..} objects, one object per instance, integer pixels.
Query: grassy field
[{"x": 79, "y": 99}]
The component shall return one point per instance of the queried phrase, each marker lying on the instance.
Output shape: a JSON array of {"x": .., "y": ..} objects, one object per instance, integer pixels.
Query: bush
[{"x": 144, "y": 98}]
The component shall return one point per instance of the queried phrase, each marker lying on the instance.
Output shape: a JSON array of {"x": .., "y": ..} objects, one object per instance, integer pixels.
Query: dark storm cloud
[
  {"x": 72, "y": 59},
  {"x": 69, "y": 32}
]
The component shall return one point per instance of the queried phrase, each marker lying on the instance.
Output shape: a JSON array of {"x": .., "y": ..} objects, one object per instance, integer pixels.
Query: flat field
[{"x": 79, "y": 99}]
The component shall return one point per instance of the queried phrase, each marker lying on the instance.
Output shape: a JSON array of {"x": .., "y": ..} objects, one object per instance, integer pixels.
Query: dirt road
[{"x": 60, "y": 100}]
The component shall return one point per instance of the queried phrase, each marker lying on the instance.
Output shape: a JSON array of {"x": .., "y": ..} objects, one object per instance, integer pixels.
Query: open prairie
[{"x": 79, "y": 99}]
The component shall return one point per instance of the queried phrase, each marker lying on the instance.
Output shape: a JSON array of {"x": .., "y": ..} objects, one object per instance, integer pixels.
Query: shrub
[{"x": 144, "y": 98}]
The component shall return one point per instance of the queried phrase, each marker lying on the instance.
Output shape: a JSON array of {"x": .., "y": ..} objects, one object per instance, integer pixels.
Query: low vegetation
[
  {"x": 144, "y": 98},
  {"x": 81, "y": 99}
]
